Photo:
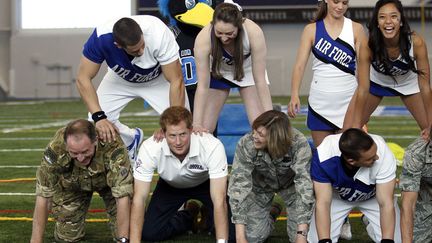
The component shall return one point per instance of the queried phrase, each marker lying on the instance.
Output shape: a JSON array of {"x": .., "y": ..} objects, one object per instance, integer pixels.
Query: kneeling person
[
  {"x": 416, "y": 186},
  {"x": 75, "y": 165},
  {"x": 273, "y": 158},
  {"x": 190, "y": 167}
]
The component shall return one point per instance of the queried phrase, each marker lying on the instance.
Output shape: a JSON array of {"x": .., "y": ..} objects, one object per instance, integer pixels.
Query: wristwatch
[
  {"x": 123, "y": 240},
  {"x": 302, "y": 232}
]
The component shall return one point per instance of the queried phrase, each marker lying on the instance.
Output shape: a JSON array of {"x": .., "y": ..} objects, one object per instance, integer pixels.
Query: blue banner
[
  {"x": 295, "y": 11},
  {"x": 293, "y": 3}
]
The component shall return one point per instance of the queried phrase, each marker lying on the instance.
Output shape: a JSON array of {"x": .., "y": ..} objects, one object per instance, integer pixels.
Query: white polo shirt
[{"x": 206, "y": 159}]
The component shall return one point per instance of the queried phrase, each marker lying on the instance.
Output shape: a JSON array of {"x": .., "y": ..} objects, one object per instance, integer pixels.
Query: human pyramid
[{"x": 185, "y": 73}]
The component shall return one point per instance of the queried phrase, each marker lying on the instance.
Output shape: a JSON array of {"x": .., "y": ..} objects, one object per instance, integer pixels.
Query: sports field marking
[
  {"x": 18, "y": 166},
  {"x": 22, "y": 150},
  {"x": 30, "y": 127},
  {"x": 25, "y": 139},
  {"x": 49, "y": 219},
  {"x": 17, "y": 194},
  {"x": 22, "y": 103}
]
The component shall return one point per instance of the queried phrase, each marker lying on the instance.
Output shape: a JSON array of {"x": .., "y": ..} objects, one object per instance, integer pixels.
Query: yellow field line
[
  {"x": 49, "y": 219},
  {"x": 17, "y": 180},
  {"x": 351, "y": 215}
]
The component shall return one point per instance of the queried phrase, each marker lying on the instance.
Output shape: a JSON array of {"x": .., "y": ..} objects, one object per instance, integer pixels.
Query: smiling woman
[{"x": 55, "y": 14}]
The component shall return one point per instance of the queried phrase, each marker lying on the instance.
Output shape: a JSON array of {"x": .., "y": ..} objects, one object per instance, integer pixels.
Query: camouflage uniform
[
  {"x": 71, "y": 185},
  {"x": 417, "y": 177},
  {"x": 255, "y": 178}
]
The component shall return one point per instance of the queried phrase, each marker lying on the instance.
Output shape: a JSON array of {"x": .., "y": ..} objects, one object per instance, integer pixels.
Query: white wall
[
  {"x": 5, "y": 31},
  {"x": 44, "y": 64}
]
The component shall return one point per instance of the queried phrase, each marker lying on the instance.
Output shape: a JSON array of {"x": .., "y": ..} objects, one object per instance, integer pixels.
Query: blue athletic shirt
[
  {"x": 327, "y": 167},
  {"x": 160, "y": 49}
]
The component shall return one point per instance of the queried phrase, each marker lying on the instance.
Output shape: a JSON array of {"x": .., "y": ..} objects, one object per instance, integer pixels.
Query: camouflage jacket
[
  {"x": 110, "y": 167},
  {"x": 256, "y": 177},
  {"x": 416, "y": 174}
]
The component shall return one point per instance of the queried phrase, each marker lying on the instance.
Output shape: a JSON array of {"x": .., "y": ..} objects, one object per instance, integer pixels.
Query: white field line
[
  {"x": 18, "y": 166},
  {"x": 23, "y": 103},
  {"x": 22, "y": 150},
  {"x": 17, "y": 194},
  {"x": 25, "y": 139},
  {"x": 62, "y": 123},
  {"x": 29, "y": 127}
]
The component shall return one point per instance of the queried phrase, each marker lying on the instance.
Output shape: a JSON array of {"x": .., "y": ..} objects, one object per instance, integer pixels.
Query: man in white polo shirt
[{"x": 190, "y": 167}]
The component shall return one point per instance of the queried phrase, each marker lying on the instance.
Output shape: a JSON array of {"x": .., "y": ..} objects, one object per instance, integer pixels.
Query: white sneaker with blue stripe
[{"x": 134, "y": 146}]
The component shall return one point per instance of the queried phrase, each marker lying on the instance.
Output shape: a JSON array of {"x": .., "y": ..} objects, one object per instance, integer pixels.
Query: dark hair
[
  {"x": 174, "y": 115},
  {"x": 279, "y": 132},
  {"x": 80, "y": 126},
  {"x": 228, "y": 13},
  {"x": 354, "y": 141},
  {"x": 376, "y": 40},
  {"x": 321, "y": 11},
  {"x": 127, "y": 32}
]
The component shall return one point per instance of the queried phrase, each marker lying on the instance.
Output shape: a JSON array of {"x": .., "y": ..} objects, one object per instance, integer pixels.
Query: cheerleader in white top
[
  {"x": 394, "y": 62},
  {"x": 229, "y": 52},
  {"x": 333, "y": 39}
]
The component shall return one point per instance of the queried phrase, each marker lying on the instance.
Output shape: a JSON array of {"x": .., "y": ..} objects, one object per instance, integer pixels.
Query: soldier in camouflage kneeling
[
  {"x": 75, "y": 165},
  {"x": 273, "y": 158},
  {"x": 416, "y": 186}
]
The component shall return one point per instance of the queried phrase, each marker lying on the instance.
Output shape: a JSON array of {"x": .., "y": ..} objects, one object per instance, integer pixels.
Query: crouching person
[
  {"x": 74, "y": 166},
  {"x": 273, "y": 158},
  {"x": 190, "y": 167},
  {"x": 354, "y": 169},
  {"x": 416, "y": 186}
]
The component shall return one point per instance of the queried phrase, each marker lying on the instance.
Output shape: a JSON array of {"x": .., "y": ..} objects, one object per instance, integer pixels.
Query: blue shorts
[
  {"x": 379, "y": 90},
  {"x": 316, "y": 122},
  {"x": 222, "y": 84}
]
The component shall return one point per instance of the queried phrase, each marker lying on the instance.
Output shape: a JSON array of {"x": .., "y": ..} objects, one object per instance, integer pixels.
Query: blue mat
[{"x": 232, "y": 125}]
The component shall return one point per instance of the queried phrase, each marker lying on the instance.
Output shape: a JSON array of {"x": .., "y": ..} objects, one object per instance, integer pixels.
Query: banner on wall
[{"x": 297, "y": 11}]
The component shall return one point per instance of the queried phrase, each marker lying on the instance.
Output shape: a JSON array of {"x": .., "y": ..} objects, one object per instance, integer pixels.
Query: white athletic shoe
[
  {"x": 346, "y": 231},
  {"x": 364, "y": 220},
  {"x": 134, "y": 146}
]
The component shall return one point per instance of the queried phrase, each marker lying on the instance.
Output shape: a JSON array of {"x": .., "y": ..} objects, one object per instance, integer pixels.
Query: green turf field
[{"x": 27, "y": 126}]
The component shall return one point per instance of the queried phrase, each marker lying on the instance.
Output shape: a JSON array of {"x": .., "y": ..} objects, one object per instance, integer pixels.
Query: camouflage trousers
[
  {"x": 70, "y": 208},
  {"x": 423, "y": 221},
  {"x": 260, "y": 224}
]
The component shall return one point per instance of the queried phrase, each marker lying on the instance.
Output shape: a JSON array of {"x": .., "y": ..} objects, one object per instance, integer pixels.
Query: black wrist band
[
  {"x": 387, "y": 241},
  {"x": 98, "y": 115},
  {"x": 325, "y": 241}
]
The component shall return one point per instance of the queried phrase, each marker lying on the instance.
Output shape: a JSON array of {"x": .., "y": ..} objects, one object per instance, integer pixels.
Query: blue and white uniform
[
  {"x": 357, "y": 190},
  {"x": 401, "y": 80},
  {"x": 227, "y": 68},
  {"x": 334, "y": 82},
  {"x": 130, "y": 77}
]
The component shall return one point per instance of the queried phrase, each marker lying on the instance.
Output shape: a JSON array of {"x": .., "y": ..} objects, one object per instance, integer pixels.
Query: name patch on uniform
[{"x": 195, "y": 167}]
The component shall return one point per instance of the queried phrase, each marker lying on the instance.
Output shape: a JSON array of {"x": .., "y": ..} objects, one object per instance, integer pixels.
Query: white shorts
[{"x": 340, "y": 209}]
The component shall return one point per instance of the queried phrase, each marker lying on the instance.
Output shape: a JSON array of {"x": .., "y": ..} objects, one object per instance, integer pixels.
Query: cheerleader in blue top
[
  {"x": 394, "y": 62},
  {"x": 334, "y": 40}
]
